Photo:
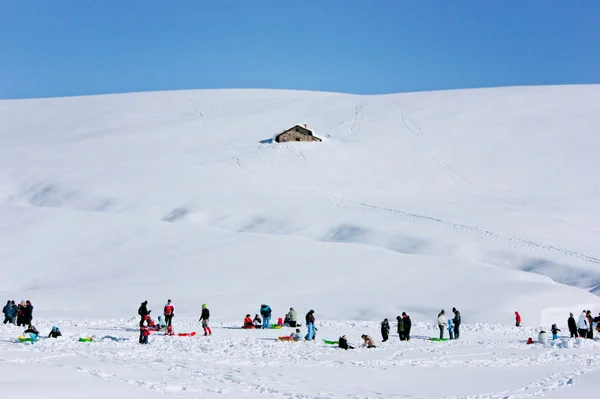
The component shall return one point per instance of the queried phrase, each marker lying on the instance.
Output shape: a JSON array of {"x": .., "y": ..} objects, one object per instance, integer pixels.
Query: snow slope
[{"x": 481, "y": 199}]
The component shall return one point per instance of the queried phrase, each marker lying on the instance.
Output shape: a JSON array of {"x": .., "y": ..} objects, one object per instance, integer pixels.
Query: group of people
[
  {"x": 290, "y": 320},
  {"x": 584, "y": 326},
  {"x": 453, "y": 324},
  {"x": 147, "y": 325},
  {"x": 20, "y": 315}
]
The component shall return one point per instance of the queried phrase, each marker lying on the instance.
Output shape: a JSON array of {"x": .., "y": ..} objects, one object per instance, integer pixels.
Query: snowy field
[{"x": 486, "y": 200}]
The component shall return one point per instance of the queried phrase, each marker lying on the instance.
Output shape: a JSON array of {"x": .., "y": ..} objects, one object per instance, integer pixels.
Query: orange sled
[{"x": 187, "y": 334}]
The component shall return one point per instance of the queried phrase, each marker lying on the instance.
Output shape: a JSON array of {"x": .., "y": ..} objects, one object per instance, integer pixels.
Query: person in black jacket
[
  {"x": 456, "y": 321},
  {"x": 572, "y": 326},
  {"x": 407, "y": 323},
  {"x": 143, "y": 311},
  {"x": 385, "y": 329},
  {"x": 28, "y": 313},
  {"x": 204, "y": 319},
  {"x": 343, "y": 343},
  {"x": 55, "y": 332}
]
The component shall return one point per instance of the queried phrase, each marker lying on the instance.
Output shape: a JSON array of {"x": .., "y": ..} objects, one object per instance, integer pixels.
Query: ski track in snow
[
  {"x": 471, "y": 231},
  {"x": 234, "y": 362}
]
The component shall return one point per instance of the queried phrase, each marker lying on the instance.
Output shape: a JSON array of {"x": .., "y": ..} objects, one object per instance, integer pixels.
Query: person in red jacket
[
  {"x": 169, "y": 312},
  {"x": 518, "y": 319},
  {"x": 248, "y": 323},
  {"x": 144, "y": 333}
]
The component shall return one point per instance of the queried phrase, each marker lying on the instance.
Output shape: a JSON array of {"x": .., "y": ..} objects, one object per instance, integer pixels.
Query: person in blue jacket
[
  {"x": 451, "y": 328},
  {"x": 9, "y": 312},
  {"x": 265, "y": 311}
]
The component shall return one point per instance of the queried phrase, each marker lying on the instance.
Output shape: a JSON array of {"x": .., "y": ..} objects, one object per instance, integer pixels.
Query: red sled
[{"x": 187, "y": 334}]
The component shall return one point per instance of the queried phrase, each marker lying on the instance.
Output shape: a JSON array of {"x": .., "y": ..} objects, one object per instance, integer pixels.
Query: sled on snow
[
  {"x": 328, "y": 342},
  {"x": 86, "y": 339},
  {"x": 438, "y": 339},
  {"x": 26, "y": 339},
  {"x": 287, "y": 339},
  {"x": 191, "y": 334}
]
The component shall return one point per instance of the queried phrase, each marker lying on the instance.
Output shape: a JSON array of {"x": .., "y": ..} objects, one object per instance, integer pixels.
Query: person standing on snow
[
  {"x": 555, "y": 331},
  {"x": 518, "y": 319},
  {"x": 169, "y": 312},
  {"x": 572, "y": 326},
  {"x": 310, "y": 324},
  {"x": 407, "y": 325},
  {"x": 265, "y": 312},
  {"x": 9, "y": 312},
  {"x": 590, "y": 319},
  {"x": 442, "y": 323},
  {"x": 451, "y": 328},
  {"x": 456, "y": 321},
  {"x": 143, "y": 311},
  {"x": 28, "y": 313},
  {"x": 144, "y": 334},
  {"x": 15, "y": 312},
  {"x": 21, "y": 314},
  {"x": 583, "y": 325},
  {"x": 204, "y": 319},
  {"x": 385, "y": 329},
  {"x": 293, "y": 317}
]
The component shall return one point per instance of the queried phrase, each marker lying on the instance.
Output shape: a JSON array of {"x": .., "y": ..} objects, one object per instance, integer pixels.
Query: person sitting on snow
[
  {"x": 369, "y": 342},
  {"x": 257, "y": 321},
  {"x": 343, "y": 343},
  {"x": 31, "y": 330},
  {"x": 54, "y": 333},
  {"x": 248, "y": 323},
  {"x": 296, "y": 336},
  {"x": 161, "y": 323}
]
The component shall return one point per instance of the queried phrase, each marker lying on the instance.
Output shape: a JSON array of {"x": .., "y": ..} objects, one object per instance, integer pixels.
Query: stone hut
[{"x": 296, "y": 133}]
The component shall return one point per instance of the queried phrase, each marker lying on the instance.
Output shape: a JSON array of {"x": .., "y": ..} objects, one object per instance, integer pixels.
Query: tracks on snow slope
[{"x": 471, "y": 231}]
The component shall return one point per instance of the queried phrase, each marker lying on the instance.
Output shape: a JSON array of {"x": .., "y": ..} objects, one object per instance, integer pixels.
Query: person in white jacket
[
  {"x": 442, "y": 323},
  {"x": 583, "y": 325}
]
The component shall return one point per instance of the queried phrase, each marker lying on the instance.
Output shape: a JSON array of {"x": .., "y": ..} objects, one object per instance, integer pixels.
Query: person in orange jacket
[{"x": 518, "y": 319}]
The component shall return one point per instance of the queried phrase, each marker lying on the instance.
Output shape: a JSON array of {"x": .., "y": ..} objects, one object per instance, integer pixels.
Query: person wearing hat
[
  {"x": 204, "y": 319},
  {"x": 310, "y": 324},
  {"x": 55, "y": 333}
]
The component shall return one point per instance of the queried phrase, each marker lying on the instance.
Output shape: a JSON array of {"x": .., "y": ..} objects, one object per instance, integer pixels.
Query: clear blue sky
[{"x": 77, "y": 47}]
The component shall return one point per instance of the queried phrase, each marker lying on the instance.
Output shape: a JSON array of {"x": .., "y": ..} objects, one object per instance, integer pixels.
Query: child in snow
[
  {"x": 54, "y": 333},
  {"x": 257, "y": 321},
  {"x": 385, "y": 329},
  {"x": 555, "y": 331},
  {"x": 518, "y": 319},
  {"x": 33, "y": 333},
  {"x": 343, "y": 343},
  {"x": 161, "y": 323},
  {"x": 248, "y": 323},
  {"x": 296, "y": 336},
  {"x": 144, "y": 333},
  {"x": 369, "y": 342},
  {"x": 451, "y": 328}
]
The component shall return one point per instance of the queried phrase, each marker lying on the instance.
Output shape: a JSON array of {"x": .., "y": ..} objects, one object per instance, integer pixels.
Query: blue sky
[{"x": 63, "y": 48}]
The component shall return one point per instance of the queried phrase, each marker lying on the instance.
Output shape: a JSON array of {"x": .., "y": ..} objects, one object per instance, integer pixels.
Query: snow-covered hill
[{"x": 486, "y": 200}]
